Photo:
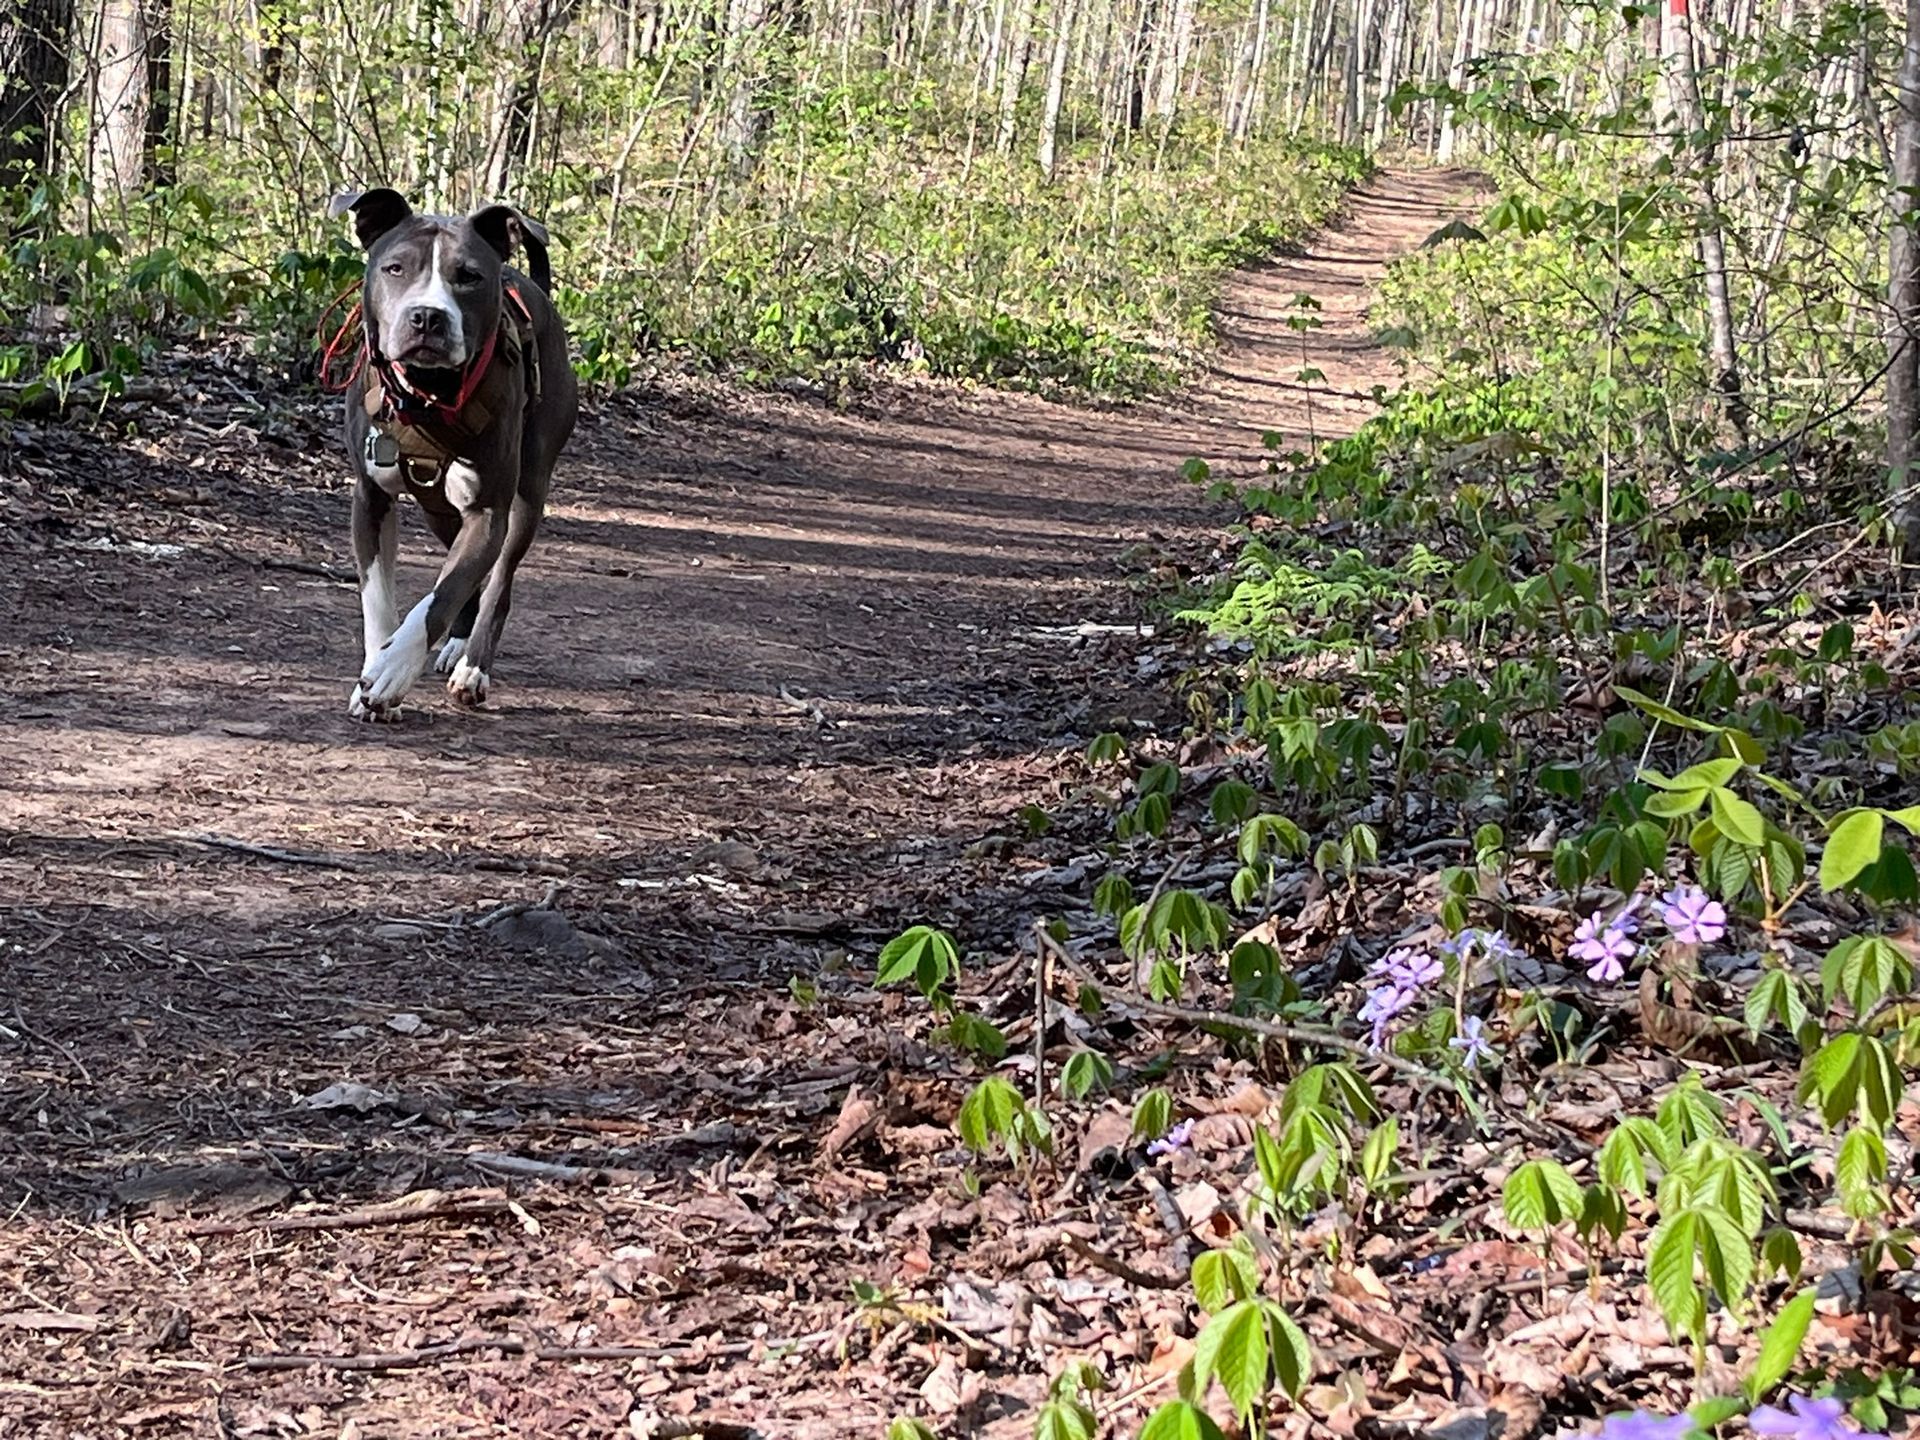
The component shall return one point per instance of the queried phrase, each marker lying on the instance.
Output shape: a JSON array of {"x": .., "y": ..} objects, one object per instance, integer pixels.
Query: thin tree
[
  {"x": 1903, "y": 293},
  {"x": 1694, "y": 158}
]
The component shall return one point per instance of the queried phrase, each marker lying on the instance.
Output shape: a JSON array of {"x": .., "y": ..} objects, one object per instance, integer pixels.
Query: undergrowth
[{"x": 868, "y": 232}]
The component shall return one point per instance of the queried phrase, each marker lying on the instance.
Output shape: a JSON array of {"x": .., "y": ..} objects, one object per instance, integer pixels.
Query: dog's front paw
[
  {"x": 361, "y": 708},
  {"x": 449, "y": 655},
  {"x": 468, "y": 683},
  {"x": 396, "y": 667}
]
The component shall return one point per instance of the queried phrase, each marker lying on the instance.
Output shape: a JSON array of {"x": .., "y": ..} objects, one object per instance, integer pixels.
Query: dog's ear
[
  {"x": 504, "y": 227},
  {"x": 375, "y": 212}
]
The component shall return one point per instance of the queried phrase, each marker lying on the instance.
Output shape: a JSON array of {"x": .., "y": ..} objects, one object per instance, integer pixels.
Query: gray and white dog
[{"x": 466, "y": 401}]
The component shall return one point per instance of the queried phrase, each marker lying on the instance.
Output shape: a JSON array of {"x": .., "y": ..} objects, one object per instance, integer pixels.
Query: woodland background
[{"x": 1613, "y": 596}]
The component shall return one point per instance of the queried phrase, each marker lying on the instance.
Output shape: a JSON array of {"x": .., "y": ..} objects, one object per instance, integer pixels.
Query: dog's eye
[
  {"x": 393, "y": 267},
  {"x": 466, "y": 276}
]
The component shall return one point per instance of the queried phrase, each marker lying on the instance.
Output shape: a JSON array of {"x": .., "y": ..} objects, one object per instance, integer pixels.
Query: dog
[{"x": 464, "y": 398}]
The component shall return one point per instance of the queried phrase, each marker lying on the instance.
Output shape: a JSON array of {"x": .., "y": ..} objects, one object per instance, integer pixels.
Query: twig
[
  {"x": 269, "y": 852},
  {"x": 1114, "y": 1265},
  {"x": 453, "y": 1350},
  {"x": 523, "y": 1168},
  {"x": 1272, "y": 1030},
  {"x": 86, "y": 1075},
  {"x": 1041, "y": 957},
  {"x": 432, "y": 1205},
  {"x": 518, "y": 907},
  {"x": 298, "y": 567}
]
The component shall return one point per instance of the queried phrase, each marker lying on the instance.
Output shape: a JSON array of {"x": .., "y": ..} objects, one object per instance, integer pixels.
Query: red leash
[{"x": 348, "y": 333}]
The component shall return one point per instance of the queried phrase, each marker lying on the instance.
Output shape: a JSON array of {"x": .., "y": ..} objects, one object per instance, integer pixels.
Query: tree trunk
[
  {"x": 158, "y": 147},
  {"x": 1903, "y": 270},
  {"x": 1392, "y": 43},
  {"x": 34, "y": 40},
  {"x": 121, "y": 100},
  {"x": 1456, "y": 77},
  {"x": 1173, "y": 59},
  {"x": 1693, "y": 156},
  {"x": 1065, "y": 14},
  {"x": 1013, "y": 75},
  {"x": 529, "y": 25}
]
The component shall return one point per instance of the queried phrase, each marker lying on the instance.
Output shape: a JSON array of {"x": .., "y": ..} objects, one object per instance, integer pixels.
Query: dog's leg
[
  {"x": 401, "y": 660},
  {"x": 470, "y": 678},
  {"x": 446, "y": 525},
  {"x": 376, "y": 545}
]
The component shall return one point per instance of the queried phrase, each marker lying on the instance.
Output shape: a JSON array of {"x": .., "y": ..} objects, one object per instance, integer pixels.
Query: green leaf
[
  {"x": 977, "y": 1036},
  {"x": 1776, "y": 997},
  {"x": 1152, "y": 1114},
  {"x": 1665, "y": 714},
  {"x": 1084, "y": 1072},
  {"x": 1539, "y": 1195},
  {"x": 905, "y": 1427},
  {"x": 1665, "y": 804},
  {"x": 1860, "y": 1170},
  {"x": 1180, "y": 1420},
  {"x": 1908, "y": 819},
  {"x": 1715, "y": 1410},
  {"x": 1780, "y": 1347},
  {"x": 1707, "y": 775},
  {"x": 1852, "y": 845},
  {"x": 1737, "y": 818},
  {"x": 1670, "y": 1275},
  {"x": 1727, "y": 1255},
  {"x": 988, "y": 1114},
  {"x": 1292, "y": 1356},
  {"x": 923, "y": 953},
  {"x": 1224, "y": 1277},
  {"x": 1376, "y": 1156},
  {"x": 1832, "y": 1076},
  {"x": 1780, "y": 1252},
  {"x": 1231, "y": 802},
  {"x": 1064, "y": 1420},
  {"x": 1233, "y": 1349}
]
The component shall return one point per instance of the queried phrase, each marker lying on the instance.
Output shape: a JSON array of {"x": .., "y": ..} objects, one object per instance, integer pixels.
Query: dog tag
[{"x": 383, "y": 451}]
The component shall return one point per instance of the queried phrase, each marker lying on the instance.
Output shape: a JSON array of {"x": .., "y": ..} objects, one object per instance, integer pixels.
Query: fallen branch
[
  {"x": 270, "y": 852},
  {"x": 298, "y": 567},
  {"x": 522, "y": 1168},
  {"x": 499, "y": 1344},
  {"x": 430, "y": 1205},
  {"x": 1114, "y": 1265}
]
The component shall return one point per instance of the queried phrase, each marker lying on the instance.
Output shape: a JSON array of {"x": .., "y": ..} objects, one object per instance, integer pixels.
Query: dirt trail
[{"x": 774, "y": 673}]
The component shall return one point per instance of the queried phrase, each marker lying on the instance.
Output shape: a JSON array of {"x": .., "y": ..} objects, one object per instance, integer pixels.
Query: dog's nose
[{"x": 428, "y": 320}]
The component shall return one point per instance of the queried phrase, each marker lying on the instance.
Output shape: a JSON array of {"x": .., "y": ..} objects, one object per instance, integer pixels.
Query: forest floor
[{"x": 779, "y": 679}]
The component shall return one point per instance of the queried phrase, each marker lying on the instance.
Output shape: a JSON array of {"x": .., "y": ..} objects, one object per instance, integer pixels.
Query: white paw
[
  {"x": 360, "y": 708},
  {"x": 468, "y": 683},
  {"x": 399, "y": 663},
  {"x": 449, "y": 655}
]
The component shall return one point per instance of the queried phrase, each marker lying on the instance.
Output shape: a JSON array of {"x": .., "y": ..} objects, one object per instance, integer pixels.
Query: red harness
[
  {"x": 407, "y": 404},
  {"x": 417, "y": 429}
]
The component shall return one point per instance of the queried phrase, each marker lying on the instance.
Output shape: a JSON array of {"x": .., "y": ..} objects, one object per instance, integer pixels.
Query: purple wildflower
[
  {"x": 1810, "y": 1420},
  {"x": 1694, "y": 917},
  {"x": 1413, "y": 969},
  {"x": 1175, "y": 1138},
  {"x": 1645, "y": 1425},
  {"x": 1605, "y": 945},
  {"x": 1499, "y": 949},
  {"x": 1471, "y": 1042},
  {"x": 1384, "y": 1004},
  {"x": 1492, "y": 944}
]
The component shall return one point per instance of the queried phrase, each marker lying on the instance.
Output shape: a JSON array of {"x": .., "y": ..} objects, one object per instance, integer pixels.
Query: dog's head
[{"x": 432, "y": 294}]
